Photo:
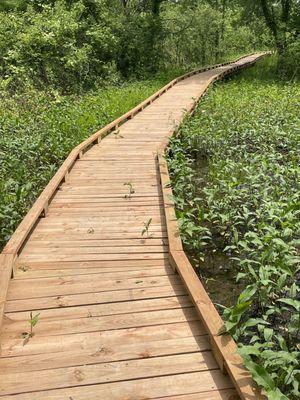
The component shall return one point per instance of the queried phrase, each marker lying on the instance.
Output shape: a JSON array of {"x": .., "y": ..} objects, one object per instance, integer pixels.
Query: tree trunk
[
  {"x": 286, "y": 10},
  {"x": 156, "y": 7},
  {"x": 277, "y": 28},
  {"x": 222, "y": 33},
  {"x": 269, "y": 17}
]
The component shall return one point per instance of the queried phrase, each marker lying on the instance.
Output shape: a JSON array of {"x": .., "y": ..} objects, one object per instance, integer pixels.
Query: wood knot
[
  {"x": 102, "y": 350},
  {"x": 145, "y": 354},
  {"x": 79, "y": 375}
]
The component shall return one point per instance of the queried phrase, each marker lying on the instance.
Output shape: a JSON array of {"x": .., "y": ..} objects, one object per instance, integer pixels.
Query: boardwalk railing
[{"x": 223, "y": 346}]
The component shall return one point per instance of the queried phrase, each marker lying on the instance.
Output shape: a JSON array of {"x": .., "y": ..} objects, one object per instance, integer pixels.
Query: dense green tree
[{"x": 71, "y": 44}]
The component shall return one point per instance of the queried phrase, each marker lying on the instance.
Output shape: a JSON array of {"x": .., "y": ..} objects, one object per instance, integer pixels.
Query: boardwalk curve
[{"x": 122, "y": 316}]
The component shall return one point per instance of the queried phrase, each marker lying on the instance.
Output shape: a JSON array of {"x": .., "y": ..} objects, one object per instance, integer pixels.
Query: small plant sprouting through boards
[
  {"x": 130, "y": 189},
  {"x": 117, "y": 134},
  {"x": 34, "y": 319},
  {"x": 146, "y": 228}
]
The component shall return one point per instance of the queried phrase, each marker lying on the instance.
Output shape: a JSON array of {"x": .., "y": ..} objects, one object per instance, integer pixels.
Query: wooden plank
[
  {"x": 6, "y": 268},
  {"x": 110, "y": 207},
  {"x": 104, "y": 216},
  {"x": 86, "y": 223},
  {"x": 94, "y": 201},
  {"x": 107, "y": 209},
  {"x": 90, "y": 242},
  {"x": 112, "y": 185},
  {"x": 107, "y": 372},
  {"x": 109, "y": 198},
  {"x": 96, "y": 234},
  {"x": 115, "y": 177},
  {"x": 59, "y": 286},
  {"x": 98, "y": 310},
  {"x": 91, "y": 342},
  {"x": 23, "y": 273},
  {"x": 103, "y": 352},
  {"x": 92, "y": 229},
  {"x": 96, "y": 297},
  {"x": 141, "y": 389},
  {"x": 107, "y": 193},
  {"x": 211, "y": 395},
  {"x": 171, "y": 220},
  {"x": 92, "y": 257},
  {"x": 105, "y": 205},
  {"x": 83, "y": 219},
  {"x": 14, "y": 330},
  {"x": 117, "y": 273},
  {"x": 110, "y": 264},
  {"x": 116, "y": 165},
  {"x": 27, "y": 272},
  {"x": 39, "y": 250}
]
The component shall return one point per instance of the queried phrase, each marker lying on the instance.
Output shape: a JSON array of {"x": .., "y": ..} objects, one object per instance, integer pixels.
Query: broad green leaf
[
  {"x": 268, "y": 333},
  {"x": 291, "y": 302},
  {"x": 261, "y": 376}
]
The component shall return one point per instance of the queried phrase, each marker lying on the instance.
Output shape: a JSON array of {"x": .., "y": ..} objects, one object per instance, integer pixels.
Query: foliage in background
[
  {"x": 236, "y": 178},
  {"x": 73, "y": 45},
  {"x": 61, "y": 46}
]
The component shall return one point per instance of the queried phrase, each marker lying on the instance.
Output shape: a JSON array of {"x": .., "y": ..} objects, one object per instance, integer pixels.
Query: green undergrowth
[
  {"x": 39, "y": 129},
  {"x": 235, "y": 172}
]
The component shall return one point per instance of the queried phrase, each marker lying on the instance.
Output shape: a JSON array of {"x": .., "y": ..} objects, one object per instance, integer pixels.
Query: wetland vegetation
[{"x": 235, "y": 172}]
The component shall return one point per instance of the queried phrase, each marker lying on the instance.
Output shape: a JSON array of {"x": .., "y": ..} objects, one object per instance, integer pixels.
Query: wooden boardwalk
[{"x": 116, "y": 322}]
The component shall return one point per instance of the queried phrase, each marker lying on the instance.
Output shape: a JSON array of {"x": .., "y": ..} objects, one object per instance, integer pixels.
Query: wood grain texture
[{"x": 94, "y": 257}]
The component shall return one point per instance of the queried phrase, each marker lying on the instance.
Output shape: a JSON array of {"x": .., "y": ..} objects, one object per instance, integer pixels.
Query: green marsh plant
[
  {"x": 33, "y": 321},
  {"x": 145, "y": 230}
]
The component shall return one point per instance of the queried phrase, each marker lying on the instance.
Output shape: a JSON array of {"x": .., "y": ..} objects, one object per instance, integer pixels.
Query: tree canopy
[{"x": 70, "y": 44}]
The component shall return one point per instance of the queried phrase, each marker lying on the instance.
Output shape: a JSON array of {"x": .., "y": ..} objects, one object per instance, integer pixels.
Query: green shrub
[
  {"x": 73, "y": 45},
  {"x": 290, "y": 60},
  {"x": 57, "y": 46}
]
